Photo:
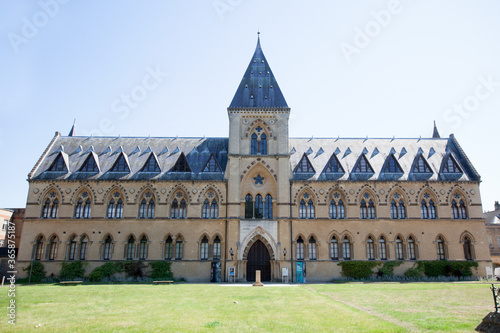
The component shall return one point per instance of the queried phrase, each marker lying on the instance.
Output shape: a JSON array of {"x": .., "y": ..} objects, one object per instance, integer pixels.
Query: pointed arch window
[
  {"x": 204, "y": 248},
  {"x": 302, "y": 209},
  {"x": 397, "y": 207},
  {"x": 83, "y": 247},
  {"x": 39, "y": 248},
  {"x": 459, "y": 210},
  {"x": 337, "y": 210},
  {"x": 268, "y": 207},
  {"x": 217, "y": 249},
  {"x": 363, "y": 209},
  {"x": 441, "y": 250},
  {"x": 258, "y": 207},
  {"x": 205, "y": 213},
  {"x": 179, "y": 249},
  {"x": 72, "y": 248},
  {"x": 143, "y": 248},
  {"x": 83, "y": 206},
  {"x": 300, "y": 248},
  {"x": 130, "y": 247},
  {"x": 412, "y": 251},
  {"x": 178, "y": 209},
  {"x": 248, "y": 206},
  {"x": 370, "y": 249},
  {"x": 382, "y": 246},
  {"x": 147, "y": 206},
  {"x": 468, "y": 252},
  {"x": 263, "y": 144},
  {"x": 424, "y": 209},
  {"x": 346, "y": 248},
  {"x": 169, "y": 249},
  {"x": 253, "y": 144},
  {"x": 111, "y": 209},
  {"x": 394, "y": 210},
  {"x": 50, "y": 206},
  {"x": 53, "y": 248},
  {"x": 334, "y": 249},
  {"x": 371, "y": 209},
  {"x": 312, "y": 248},
  {"x": 107, "y": 248},
  {"x": 258, "y": 142},
  {"x": 310, "y": 209},
  {"x": 46, "y": 209},
  {"x": 399, "y": 249},
  {"x": 427, "y": 207},
  {"x": 54, "y": 209}
]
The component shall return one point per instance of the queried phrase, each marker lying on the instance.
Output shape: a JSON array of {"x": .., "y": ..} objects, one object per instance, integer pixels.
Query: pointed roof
[
  {"x": 258, "y": 88},
  {"x": 72, "y": 132},
  {"x": 435, "y": 133}
]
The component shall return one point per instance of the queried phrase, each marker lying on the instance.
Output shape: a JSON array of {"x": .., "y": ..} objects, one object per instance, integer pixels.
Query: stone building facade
[{"x": 257, "y": 199}]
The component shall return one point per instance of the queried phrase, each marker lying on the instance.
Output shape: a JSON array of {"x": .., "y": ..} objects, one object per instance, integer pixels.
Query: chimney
[{"x": 497, "y": 205}]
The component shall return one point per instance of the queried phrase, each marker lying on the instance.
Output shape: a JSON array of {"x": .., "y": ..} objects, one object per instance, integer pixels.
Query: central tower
[{"x": 258, "y": 170}]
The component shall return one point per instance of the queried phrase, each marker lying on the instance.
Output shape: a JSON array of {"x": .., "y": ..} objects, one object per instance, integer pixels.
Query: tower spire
[{"x": 435, "y": 133}]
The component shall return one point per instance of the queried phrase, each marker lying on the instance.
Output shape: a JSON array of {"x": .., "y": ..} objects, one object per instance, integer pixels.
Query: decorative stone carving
[{"x": 36, "y": 190}]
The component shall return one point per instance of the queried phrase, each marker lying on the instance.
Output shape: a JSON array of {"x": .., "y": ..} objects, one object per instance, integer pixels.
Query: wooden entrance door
[{"x": 258, "y": 259}]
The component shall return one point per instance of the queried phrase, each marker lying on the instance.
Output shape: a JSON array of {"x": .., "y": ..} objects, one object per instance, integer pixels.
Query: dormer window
[{"x": 59, "y": 164}]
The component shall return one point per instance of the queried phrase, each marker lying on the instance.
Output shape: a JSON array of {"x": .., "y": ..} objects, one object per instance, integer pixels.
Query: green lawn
[{"x": 363, "y": 307}]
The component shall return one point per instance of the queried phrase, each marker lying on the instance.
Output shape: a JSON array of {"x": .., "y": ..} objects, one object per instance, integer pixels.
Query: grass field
[{"x": 362, "y": 307}]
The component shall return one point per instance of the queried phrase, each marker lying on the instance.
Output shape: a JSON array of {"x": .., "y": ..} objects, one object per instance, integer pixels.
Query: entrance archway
[{"x": 258, "y": 259}]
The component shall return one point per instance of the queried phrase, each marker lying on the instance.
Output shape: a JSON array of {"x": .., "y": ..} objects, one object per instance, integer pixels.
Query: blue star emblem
[
  {"x": 258, "y": 179},
  {"x": 336, "y": 195},
  {"x": 306, "y": 195}
]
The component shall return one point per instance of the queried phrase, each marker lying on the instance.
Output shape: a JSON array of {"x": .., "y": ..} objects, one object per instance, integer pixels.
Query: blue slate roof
[
  {"x": 136, "y": 150},
  {"x": 258, "y": 88}
]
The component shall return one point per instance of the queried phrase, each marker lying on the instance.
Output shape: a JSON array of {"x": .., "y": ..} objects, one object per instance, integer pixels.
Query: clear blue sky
[{"x": 354, "y": 69}]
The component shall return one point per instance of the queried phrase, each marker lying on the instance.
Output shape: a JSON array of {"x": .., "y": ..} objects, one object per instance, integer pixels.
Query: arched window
[
  {"x": 72, "y": 248},
  {"x": 334, "y": 249},
  {"x": 39, "y": 248},
  {"x": 83, "y": 206},
  {"x": 401, "y": 209},
  {"x": 412, "y": 253},
  {"x": 248, "y": 207},
  {"x": 441, "y": 251},
  {"x": 182, "y": 209},
  {"x": 300, "y": 248},
  {"x": 346, "y": 249},
  {"x": 50, "y": 206},
  {"x": 205, "y": 212},
  {"x": 432, "y": 210},
  {"x": 394, "y": 210},
  {"x": 46, "y": 209},
  {"x": 399, "y": 249},
  {"x": 454, "y": 210},
  {"x": 468, "y": 253},
  {"x": 53, "y": 248},
  {"x": 115, "y": 208},
  {"x": 258, "y": 207},
  {"x": 424, "y": 210},
  {"x": 363, "y": 210},
  {"x": 86, "y": 209},
  {"x": 217, "y": 251},
  {"x": 371, "y": 209},
  {"x": 79, "y": 209},
  {"x": 312, "y": 248},
  {"x": 143, "y": 248},
  {"x": 462, "y": 210},
  {"x": 268, "y": 207},
  {"x": 310, "y": 209},
  {"x": 253, "y": 145},
  {"x": 333, "y": 209},
  {"x": 302, "y": 209},
  {"x": 204, "y": 248},
  {"x": 151, "y": 209},
  {"x": 370, "y": 249},
  {"x": 107, "y": 248},
  {"x": 214, "y": 210},
  {"x": 263, "y": 144},
  {"x": 147, "y": 206},
  {"x": 169, "y": 250},
  {"x": 174, "y": 209},
  {"x": 83, "y": 247},
  {"x": 337, "y": 210},
  {"x": 130, "y": 248},
  {"x": 382, "y": 246},
  {"x": 179, "y": 249}
]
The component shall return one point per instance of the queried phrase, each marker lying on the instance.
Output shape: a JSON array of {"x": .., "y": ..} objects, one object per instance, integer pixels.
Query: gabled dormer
[
  {"x": 181, "y": 165},
  {"x": 121, "y": 164},
  {"x": 60, "y": 164},
  {"x": 90, "y": 164},
  {"x": 304, "y": 166},
  {"x": 212, "y": 165},
  {"x": 151, "y": 164}
]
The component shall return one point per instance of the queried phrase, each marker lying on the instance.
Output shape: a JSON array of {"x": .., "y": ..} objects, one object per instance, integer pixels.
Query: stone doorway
[{"x": 258, "y": 259}]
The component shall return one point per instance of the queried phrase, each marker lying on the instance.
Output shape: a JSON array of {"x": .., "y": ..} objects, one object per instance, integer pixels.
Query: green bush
[
  {"x": 357, "y": 269},
  {"x": 105, "y": 271},
  {"x": 133, "y": 269},
  {"x": 416, "y": 272},
  {"x": 457, "y": 269},
  {"x": 387, "y": 268},
  {"x": 161, "y": 270},
  {"x": 73, "y": 270},
  {"x": 38, "y": 272}
]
